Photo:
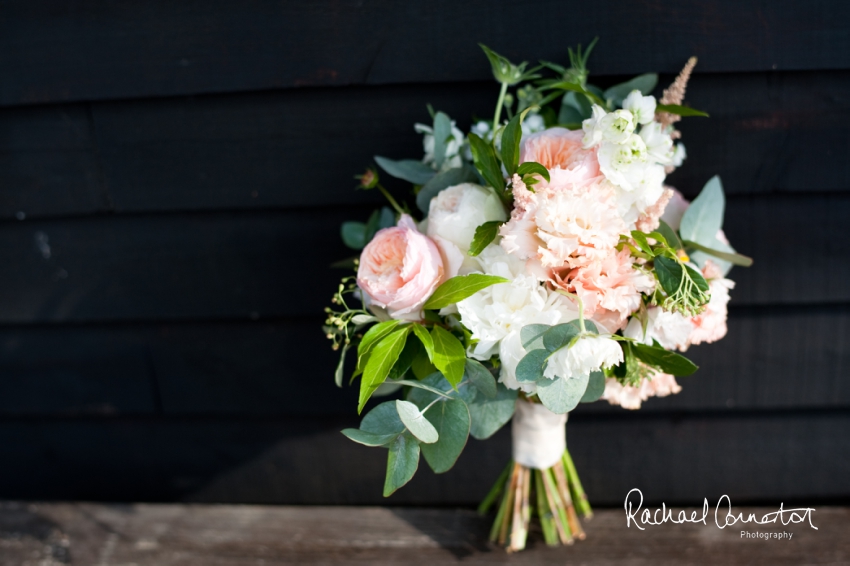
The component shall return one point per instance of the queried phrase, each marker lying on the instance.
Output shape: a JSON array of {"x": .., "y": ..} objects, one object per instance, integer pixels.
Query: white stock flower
[
  {"x": 642, "y": 107},
  {"x": 659, "y": 144},
  {"x": 679, "y": 155},
  {"x": 454, "y": 146},
  {"x": 589, "y": 353},
  {"x": 622, "y": 163},
  {"x": 532, "y": 124},
  {"x": 591, "y": 127}
]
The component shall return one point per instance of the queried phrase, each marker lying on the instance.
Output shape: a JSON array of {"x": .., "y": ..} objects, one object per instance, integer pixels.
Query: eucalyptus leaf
[
  {"x": 484, "y": 236},
  {"x": 560, "y": 335},
  {"x": 530, "y": 368},
  {"x": 408, "y": 170},
  {"x": 458, "y": 288},
  {"x": 644, "y": 83},
  {"x": 665, "y": 360},
  {"x": 485, "y": 161},
  {"x": 480, "y": 377},
  {"x": 449, "y": 355},
  {"x": 700, "y": 258},
  {"x": 382, "y": 420},
  {"x": 359, "y": 319},
  {"x": 442, "y": 132},
  {"x": 368, "y": 438},
  {"x": 444, "y": 180},
  {"x": 416, "y": 422},
  {"x": 402, "y": 462},
  {"x": 381, "y": 360},
  {"x": 562, "y": 394},
  {"x": 353, "y": 235},
  {"x": 452, "y": 422},
  {"x": 489, "y": 415},
  {"x": 531, "y": 336},
  {"x": 430, "y": 388},
  {"x": 574, "y": 108},
  {"x": 704, "y": 217},
  {"x": 386, "y": 388},
  {"x": 595, "y": 387}
]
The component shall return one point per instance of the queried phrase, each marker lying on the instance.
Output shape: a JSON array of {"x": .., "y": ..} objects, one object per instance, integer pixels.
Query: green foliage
[
  {"x": 686, "y": 288},
  {"x": 575, "y": 87},
  {"x": 680, "y": 110},
  {"x": 486, "y": 163},
  {"x": 506, "y": 72},
  {"x": 372, "y": 337},
  {"x": 731, "y": 257},
  {"x": 449, "y": 355},
  {"x": 617, "y": 93},
  {"x": 402, "y": 462},
  {"x": 460, "y": 287},
  {"x": 416, "y": 422},
  {"x": 382, "y": 420},
  {"x": 530, "y": 368},
  {"x": 670, "y": 235},
  {"x": 442, "y": 133},
  {"x": 531, "y": 336},
  {"x": 490, "y": 414},
  {"x": 529, "y": 169},
  {"x": 595, "y": 387},
  {"x": 409, "y": 170},
  {"x": 368, "y": 438},
  {"x": 440, "y": 181},
  {"x": 480, "y": 377},
  {"x": 561, "y": 335},
  {"x": 562, "y": 394},
  {"x": 665, "y": 360},
  {"x": 382, "y": 358},
  {"x": 452, "y": 422},
  {"x": 704, "y": 217},
  {"x": 412, "y": 348},
  {"x": 574, "y": 109},
  {"x": 484, "y": 235},
  {"x": 510, "y": 142}
]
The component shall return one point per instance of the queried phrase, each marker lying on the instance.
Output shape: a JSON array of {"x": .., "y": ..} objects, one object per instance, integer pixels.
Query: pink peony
[
  {"x": 560, "y": 151},
  {"x": 400, "y": 268}
]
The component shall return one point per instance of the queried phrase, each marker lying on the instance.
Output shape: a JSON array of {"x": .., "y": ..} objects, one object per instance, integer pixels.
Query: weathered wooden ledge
[{"x": 236, "y": 535}]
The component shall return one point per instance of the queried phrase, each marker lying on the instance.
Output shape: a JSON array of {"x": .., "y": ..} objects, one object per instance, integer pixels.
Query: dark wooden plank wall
[{"x": 172, "y": 179}]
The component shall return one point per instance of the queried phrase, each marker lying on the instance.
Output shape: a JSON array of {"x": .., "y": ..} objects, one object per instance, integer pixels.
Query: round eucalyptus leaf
[
  {"x": 561, "y": 395},
  {"x": 595, "y": 387},
  {"x": 530, "y": 368},
  {"x": 451, "y": 419},
  {"x": 368, "y": 438},
  {"x": 416, "y": 422},
  {"x": 383, "y": 419}
]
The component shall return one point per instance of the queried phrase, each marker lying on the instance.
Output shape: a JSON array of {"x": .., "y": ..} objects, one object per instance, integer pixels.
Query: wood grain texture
[
  {"x": 758, "y": 456},
  {"x": 226, "y": 535},
  {"x": 773, "y": 358},
  {"x": 768, "y": 133},
  {"x": 100, "y": 50},
  {"x": 240, "y": 265}
]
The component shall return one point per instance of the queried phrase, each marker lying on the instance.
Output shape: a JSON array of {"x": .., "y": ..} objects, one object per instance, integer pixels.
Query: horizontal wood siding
[{"x": 173, "y": 177}]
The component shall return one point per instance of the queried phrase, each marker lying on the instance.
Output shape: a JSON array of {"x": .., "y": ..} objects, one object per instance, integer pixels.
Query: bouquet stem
[{"x": 558, "y": 500}]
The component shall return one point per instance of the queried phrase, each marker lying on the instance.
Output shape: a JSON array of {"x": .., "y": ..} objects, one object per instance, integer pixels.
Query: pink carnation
[
  {"x": 560, "y": 151},
  {"x": 629, "y": 397},
  {"x": 400, "y": 268},
  {"x": 710, "y": 325}
]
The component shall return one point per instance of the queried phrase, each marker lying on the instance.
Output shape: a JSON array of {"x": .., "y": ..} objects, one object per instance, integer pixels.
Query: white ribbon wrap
[{"x": 539, "y": 435}]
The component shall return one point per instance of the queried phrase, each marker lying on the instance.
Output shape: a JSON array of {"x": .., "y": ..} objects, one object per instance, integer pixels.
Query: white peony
[
  {"x": 457, "y": 211},
  {"x": 453, "y": 147},
  {"x": 590, "y": 353},
  {"x": 641, "y": 107}
]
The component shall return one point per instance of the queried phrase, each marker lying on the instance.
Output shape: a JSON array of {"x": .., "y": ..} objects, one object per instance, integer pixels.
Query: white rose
[
  {"x": 642, "y": 107},
  {"x": 588, "y": 354},
  {"x": 457, "y": 211}
]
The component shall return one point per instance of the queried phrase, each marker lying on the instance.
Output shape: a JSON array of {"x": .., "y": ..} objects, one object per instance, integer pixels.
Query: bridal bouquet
[{"x": 546, "y": 264}]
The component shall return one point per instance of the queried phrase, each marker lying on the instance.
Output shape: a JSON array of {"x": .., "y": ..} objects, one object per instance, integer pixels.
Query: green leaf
[
  {"x": 353, "y": 235},
  {"x": 530, "y": 367},
  {"x": 575, "y": 87},
  {"x": 381, "y": 360},
  {"x": 697, "y": 277},
  {"x": 442, "y": 132},
  {"x": 669, "y": 273},
  {"x": 574, "y": 109},
  {"x": 412, "y": 347},
  {"x": 670, "y": 235},
  {"x": 444, "y": 180},
  {"x": 562, "y": 394},
  {"x": 368, "y": 438},
  {"x": 533, "y": 168},
  {"x": 531, "y": 336},
  {"x": 511, "y": 137},
  {"x": 383, "y": 420},
  {"x": 640, "y": 239},
  {"x": 451, "y": 420},
  {"x": 340, "y": 367},
  {"x": 430, "y": 388},
  {"x": 644, "y": 83},
  {"x": 408, "y": 170},
  {"x": 458, "y": 288},
  {"x": 424, "y": 386},
  {"x": 402, "y": 462},
  {"x": 485, "y": 161},
  {"x": 704, "y": 217},
  {"x": 449, "y": 355},
  {"x": 733, "y": 258},
  {"x": 489, "y": 415},
  {"x": 416, "y": 422},
  {"x": 665, "y": 360},
  {"x": 680, "y": 110},
  {"x": 560, "y": 335},
  {"x": 484, "y": 235},
  {"x": 372, "y": 337},
  {"x": 595, "y": 387},
  {"x": 428, "y": 342},
  {"x": 422, "y": 366},
  {"x": 480, "y": 377}
]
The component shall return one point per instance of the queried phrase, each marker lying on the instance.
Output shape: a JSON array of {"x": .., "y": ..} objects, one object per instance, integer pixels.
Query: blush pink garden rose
[
  {"x": 400, "y": 269},
  {"x": 561, "y": 152}
]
